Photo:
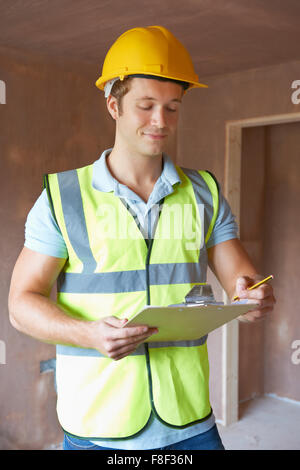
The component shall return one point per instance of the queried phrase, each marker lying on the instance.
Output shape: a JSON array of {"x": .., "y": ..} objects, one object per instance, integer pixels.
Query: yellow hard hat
[{"x": 148, "y": 51}]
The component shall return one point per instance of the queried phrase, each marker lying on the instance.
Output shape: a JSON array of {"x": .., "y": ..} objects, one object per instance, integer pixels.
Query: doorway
[{"x": 262, "y": 185}]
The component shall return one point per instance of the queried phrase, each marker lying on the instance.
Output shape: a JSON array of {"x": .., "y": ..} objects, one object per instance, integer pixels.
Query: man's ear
[{"x": 112, "y": 107}]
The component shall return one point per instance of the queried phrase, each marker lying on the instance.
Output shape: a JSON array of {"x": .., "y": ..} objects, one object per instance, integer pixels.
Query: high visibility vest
[{"x": 111, "y": 270}]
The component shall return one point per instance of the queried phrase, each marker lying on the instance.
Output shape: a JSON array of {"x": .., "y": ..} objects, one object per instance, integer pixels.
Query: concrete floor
[{"x": 266, "y": 423}]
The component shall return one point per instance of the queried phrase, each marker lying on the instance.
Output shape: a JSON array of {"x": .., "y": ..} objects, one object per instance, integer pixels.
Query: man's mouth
[{"x": 155, "y": 136}]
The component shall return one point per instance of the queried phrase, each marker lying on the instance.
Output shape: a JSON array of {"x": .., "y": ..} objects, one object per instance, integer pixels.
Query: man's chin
[
  {"x": 153, "y": 153},
  {"x": 155, "y": 149}
]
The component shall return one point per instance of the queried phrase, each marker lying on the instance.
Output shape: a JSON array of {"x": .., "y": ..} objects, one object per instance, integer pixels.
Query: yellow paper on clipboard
[{"x": 188, "y": 322}]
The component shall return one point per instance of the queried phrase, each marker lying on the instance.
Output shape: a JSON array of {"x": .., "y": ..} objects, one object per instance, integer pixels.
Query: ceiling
[{"x": 223, "y": 36}]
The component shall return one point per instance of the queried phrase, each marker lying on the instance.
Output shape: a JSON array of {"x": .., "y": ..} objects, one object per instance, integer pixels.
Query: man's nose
[{"x": 158, "y": 118}]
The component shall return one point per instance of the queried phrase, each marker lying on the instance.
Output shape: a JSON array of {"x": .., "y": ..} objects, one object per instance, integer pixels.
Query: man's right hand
[
  {"x": 32, "y": 312},
  {"x": 111, "y": 339}
]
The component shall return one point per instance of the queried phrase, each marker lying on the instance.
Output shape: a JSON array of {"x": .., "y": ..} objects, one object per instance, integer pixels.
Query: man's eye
[
  {"x": 145, "y": 108},
  {"x": 172, "y": 110}
]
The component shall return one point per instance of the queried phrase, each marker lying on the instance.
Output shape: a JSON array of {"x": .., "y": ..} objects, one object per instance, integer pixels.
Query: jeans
[{"x": 209, "y": 440}]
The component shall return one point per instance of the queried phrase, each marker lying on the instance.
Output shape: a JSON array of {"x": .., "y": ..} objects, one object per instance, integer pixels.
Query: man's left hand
[{"x": 262, "y": 295}]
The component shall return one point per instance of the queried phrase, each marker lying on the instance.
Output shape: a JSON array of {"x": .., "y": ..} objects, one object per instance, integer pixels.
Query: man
[{"x": 98, "y": 235}]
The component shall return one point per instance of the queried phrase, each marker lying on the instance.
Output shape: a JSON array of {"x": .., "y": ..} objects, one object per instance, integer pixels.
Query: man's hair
[{"x": 121, "y": 87}]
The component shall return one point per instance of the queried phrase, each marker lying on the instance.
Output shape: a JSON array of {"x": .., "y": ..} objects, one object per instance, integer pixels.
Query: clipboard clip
[{"x": 201, "y": 295}]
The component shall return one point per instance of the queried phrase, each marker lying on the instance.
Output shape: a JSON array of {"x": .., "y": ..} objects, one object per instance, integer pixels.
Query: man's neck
[{"x": 137, "y": 172}]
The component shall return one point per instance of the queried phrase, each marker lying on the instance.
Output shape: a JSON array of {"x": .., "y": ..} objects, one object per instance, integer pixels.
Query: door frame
[{"x": 232, "y": 192}]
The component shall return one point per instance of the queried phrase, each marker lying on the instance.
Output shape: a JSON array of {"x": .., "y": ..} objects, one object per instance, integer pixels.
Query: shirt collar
[{"x": 105, "y": 182}]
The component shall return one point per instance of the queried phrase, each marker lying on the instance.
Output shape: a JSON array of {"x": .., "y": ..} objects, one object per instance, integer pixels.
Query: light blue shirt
[{"x": 43, "y": 235}]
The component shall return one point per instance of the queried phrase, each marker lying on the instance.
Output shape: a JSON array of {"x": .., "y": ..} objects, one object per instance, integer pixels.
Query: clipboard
[{"x": 187, "y": 322}]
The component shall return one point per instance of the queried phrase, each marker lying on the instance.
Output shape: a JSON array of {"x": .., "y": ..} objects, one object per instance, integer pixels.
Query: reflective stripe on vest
[
  {"x": 108, "y": 273},
  {"x": 75, "y": 351}
]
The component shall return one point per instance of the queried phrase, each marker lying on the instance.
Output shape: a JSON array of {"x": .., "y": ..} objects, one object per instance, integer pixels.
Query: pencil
[{"x": 256, "y": 285}]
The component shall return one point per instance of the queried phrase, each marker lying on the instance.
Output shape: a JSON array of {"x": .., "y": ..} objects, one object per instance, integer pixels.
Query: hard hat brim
[{"x": 100, "y": 83}]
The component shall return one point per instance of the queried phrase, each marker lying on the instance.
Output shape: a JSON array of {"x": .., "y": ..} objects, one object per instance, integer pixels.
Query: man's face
[{"x": 149, "y": 116}]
